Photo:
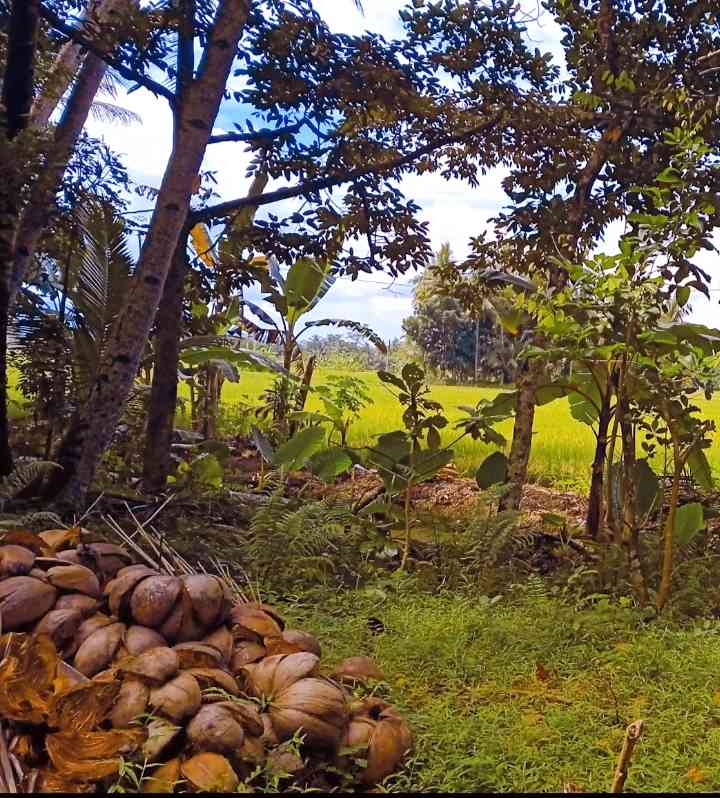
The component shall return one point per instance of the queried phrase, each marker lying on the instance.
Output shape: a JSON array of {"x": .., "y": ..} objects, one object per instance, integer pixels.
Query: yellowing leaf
[{"x": 200, "y": 237}]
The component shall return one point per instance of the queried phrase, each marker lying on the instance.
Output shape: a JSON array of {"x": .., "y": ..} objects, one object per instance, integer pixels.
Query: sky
[{"x": 454, "y": 211}]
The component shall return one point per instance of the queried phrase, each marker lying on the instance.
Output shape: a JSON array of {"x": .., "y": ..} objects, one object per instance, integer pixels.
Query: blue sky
[{"x": 455, "y": 212}]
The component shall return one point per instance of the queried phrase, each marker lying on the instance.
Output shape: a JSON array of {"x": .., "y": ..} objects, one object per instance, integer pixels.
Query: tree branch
[
  {"x": 224, "y": 209},
  {"x": 266, "y": 134},
  {"x": 78, "y": 37}
]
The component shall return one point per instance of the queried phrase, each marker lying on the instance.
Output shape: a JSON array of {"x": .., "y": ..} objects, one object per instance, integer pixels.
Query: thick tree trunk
[
  {"x": 17, "y": 90},
  {"x": 526, "y": 383},
  {"x": 594, "y": 516},
  {"x": 199, "y": 108},
  {"x": 163, "y": 395}
]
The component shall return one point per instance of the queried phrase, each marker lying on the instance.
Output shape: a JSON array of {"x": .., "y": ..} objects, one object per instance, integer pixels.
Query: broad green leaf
[
  {"x": 549, "y": 393},
  {"x": 492, "y": 470},
  {"x": 206, "y": 471},
  {"x": 305, "y": 282},
  {"x": 428, "y": 462},
  {"x": 689, "y": 520},
  {"x": 700, "y": 469},
  {"x": 648, "y": 490},
  {"x": 300, "y": 448},
  {"x": 262, "y": 444},
  {"x": 217, "y": 449},
  {"x": 386, "y": 376},
  {"x": 682, "y": 294},
  {"x": 329, "y": 463}
]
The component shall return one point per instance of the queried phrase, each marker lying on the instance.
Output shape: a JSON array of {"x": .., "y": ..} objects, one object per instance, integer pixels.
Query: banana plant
[{"x": 292, "y": 297}]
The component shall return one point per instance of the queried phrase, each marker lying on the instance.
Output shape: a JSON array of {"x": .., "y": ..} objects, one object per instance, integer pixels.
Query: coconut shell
[
  {"x": 15, "y": 561},
  {"x": 292, "y": 641},
  {"x": 163, "y": 779},
  {"x": 247, "y": 714},
  {"x": 246, "y": 652},
  {"x": 269, "y": 610},
  {"x": 269, "y": 735},
  {"x": 216, "y": 728},
  {"x": 98, "y": 649},
  {"x": 221, "y": 640},
  {"x": 177, "y": 699},
  {"x": 273, "y": 674},
  {"x": 208, "y": 598},
  {"x": 357, "y": 669},
  {"x": 61, "y": 626},
  {"x": 85, "y": 605},
  {"x": 253, "y": 750},
  {"x": 180, "y": 626},
  {"x": 197, "y": 655},
  {"x": 155, "y": 666},
  {"x": 23, "y": 600},
  {"x": 119, "y": 589},
  {"x": 92, "y": 624},
  {"x": 389, "y": 743},
  {"x": 69, "y": 555},
  {"x": 38, "y": 573},
  {"x": 153, "y": 600},
  {"x": 250, "y": 623},
  {"x": 316, "y": 706},
  {"x": 161, "y": 734},
  {"x": 209, "y": 678},
  {"x": 131, "y": 702},
  {"x": 108, "y": 558},
  {"x": 210, "y": 772},
  {"x": 140, "y": 638},
  {"x": 75, "y": 579}
]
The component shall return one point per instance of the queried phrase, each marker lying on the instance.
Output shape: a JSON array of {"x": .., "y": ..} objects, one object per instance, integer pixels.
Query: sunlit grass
[{"x": 562, "y": 447}]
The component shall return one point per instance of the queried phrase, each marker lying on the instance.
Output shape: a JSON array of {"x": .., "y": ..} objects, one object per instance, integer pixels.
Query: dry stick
[
  {"x": 632, "y": 734},
  {"x": 7, "y": 777}
]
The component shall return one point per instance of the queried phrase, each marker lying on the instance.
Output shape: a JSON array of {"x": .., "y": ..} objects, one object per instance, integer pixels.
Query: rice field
[{"x": 562, "y": 447}]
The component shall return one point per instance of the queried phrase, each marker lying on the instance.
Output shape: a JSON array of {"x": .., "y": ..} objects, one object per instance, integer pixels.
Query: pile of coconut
[{"x": 113, "y": 672}]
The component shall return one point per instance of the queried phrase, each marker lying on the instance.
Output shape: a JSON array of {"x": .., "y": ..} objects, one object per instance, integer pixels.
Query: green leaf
[
  {"x": 648, "y": 490},
  {"x": 218, "y": 449},
  {"x": 206, "y": 471},
  {"x": 386, "y": 376},
  {"x": 300, "y": 448},
  {"x": 492, "y": 470},
  {"x": 329, "y": 463},
  {"x": 700, "y": 469},
  {"x": 262, "y": 444},
  {"x": 306, "y": 281},
  {"x": 433, "y": 438},
  {"x": 428, "y": 462},
  {"x": 549, "y": 393},
  {"x": 682, "y": 294},
  {"x": 689, "y": 520}
]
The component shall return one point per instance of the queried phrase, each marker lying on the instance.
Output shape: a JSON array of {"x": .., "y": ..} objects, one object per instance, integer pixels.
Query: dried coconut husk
[
  {"x": 23, "y": 600},
  {"x": 378, "y": 727},
  {"x": 268, "y": 609},
  {"x": 208, "y": 597},
  {"x": 317, "y": 707},
  {"x": 106, "y": 558},
  {"x": 92, "y": 624},
  {"x": 74, "y": 579},
  {"x": 15, "y": 561},
  {"x": 85, "y": 706},
  {"x": 153, "y": 600},
  {"x": 197, "y": 655},
  {"x": 161, "y": 735},
  {"x": 56, "y": 539},
  {"x": 132, "y": 701},
  {"x": 27, "y": 749},
  {"x": 91, "y": 755},
  {"x": 155, "y": 666},
  {"x": 178, "y": 698},
  {"x": 292, "y": 641},
  {"x": 357, "y": 669},
  {"x": 210, "y": 772},
  {"x": 181, "y": 626},
  {"x": 22, "y": 537},
  {"x": 269, "y": 676},
  {"x": 246, "y": 652},
  {"x": 139, "y": 639},
  {"x": 212, "y": 680},
  {"x": 62, "y": 627},
  {"x": 216, "y": 728},
  {"x": 98, "y": 650},
  {"x": 119, "y": 590},
  {"x": 86, "y": 605},
  {"x": 251, "y": 623},
  {"x": 222, "y": 640},
  {"x": 163, "y": 779}
]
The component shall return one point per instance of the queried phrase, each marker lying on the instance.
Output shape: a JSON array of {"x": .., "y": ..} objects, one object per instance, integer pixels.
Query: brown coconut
[
  {"x": 273, "y": 674},
  {"x": 155, "y": 666},
  {"x": 85, "y": 605},
  {"x": 214, "y": 678},
  {"x": 61, "y": 626},
  {"x": 208, "y": 598},
  {"x": 197, "y": 655},
  {"x": 161, "y": 734},
  {"x": 291, "y": 641},
  {"x": 15, "y": 561},
  {"x": 97, "y": 651},
  {"x": 246, "y": 653},
  {"x": 357, "y": 669},
  {"x": 210, "y": 772},
  {"x": 131, "y": 702},
  {"x": 140, "y": 638},
  {"x": 92, "y": 624},
  {"x": 177, "y": 699},
  {"x": 251, "y": 623},
  {"x": 153, "y": 600},
  {"x": 316, "y": 707},
  {"x": 23, "y": 600},
  {"x": 75, "y": 579},
  {"x": 221, "y": 640},
  {"x": 216, "y": 728},
  {"x": 119, "y": 590}
]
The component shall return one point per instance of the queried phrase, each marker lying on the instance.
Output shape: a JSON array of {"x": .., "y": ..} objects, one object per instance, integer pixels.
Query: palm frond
[{"x": 115, "y": 114}]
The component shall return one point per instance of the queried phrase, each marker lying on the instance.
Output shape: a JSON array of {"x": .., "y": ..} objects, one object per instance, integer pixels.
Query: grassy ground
[
  {"x": 562, "y": 447},
  {"x": 526, "y": 696}
]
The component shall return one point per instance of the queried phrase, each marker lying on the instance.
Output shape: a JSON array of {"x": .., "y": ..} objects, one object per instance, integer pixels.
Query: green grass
[
  {"x": 562, "y": 447},
  {"x": 464, "y": 673}
]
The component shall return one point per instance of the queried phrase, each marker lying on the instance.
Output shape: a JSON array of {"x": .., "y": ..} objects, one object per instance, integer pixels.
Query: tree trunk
[
  {"x": 199, "y": 109},
  {"x": 669, "y": 531},
  {"x": 17, "y": 90},
  {"x": 163, "y": 395},
  {"x": 67, "y": 63},
  {"x": 595, "y": 500},
  {"x": 527, "y": 380}
]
